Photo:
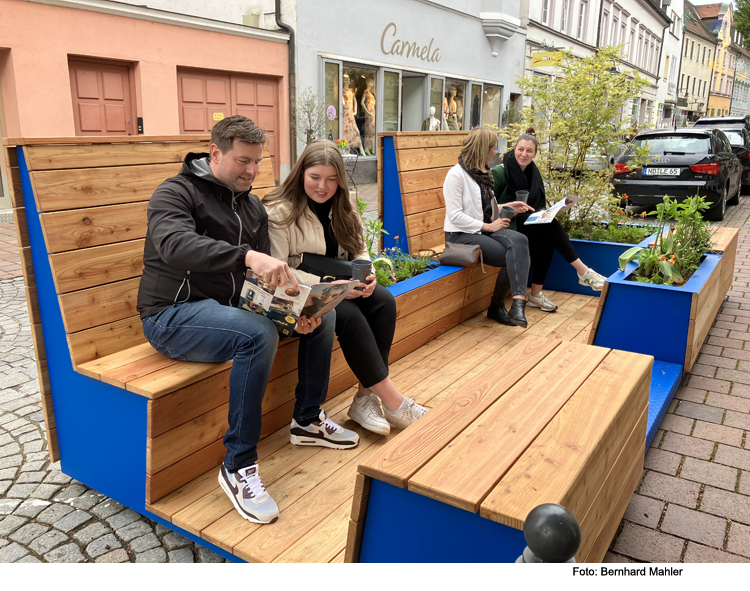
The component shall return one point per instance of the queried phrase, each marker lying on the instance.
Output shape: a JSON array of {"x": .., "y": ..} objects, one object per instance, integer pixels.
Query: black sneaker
[{"x": 324, "y": 433}]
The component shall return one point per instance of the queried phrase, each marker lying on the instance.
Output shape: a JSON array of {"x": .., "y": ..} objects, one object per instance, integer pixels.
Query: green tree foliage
[
  {"x": 742, "y": 20},
  {"x": 581, "y": 121}
]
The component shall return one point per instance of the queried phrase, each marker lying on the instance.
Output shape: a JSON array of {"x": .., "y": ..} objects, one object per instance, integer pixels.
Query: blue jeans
[{"x": 209, "y": 332}]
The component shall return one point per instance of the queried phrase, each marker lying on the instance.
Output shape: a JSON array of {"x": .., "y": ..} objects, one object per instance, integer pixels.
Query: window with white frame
[
  {"x": 582, "y": 13},
  {"x": 545, "y": 11},
  {"x": 605, "y": 23},
  {"x": 666, "y": 68},
  {"x": 615, "y": 28},
  {"x": 564, "y": 17},
  {"x": 698, "y": 55},
  {"x": 631, "y": 51},
  {"x": 692, "y": 49}
]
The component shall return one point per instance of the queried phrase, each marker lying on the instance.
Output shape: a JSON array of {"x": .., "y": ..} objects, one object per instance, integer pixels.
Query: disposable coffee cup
[
  {"x": 522, "y": 196},
  {"x": 507, "y": 213},
  {"x": 361, "y": 270}
]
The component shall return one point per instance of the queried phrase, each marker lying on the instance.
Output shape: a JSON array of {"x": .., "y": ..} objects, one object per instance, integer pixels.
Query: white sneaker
[
  {"x": 409, "y": 412},
  {"x": 248, "y": 495},
  {"x": 366, "y": 410},
  {"x": 592, "y": 279},
  {"x": 540, "y": 301},
  {"x": 323, "y": 433}
]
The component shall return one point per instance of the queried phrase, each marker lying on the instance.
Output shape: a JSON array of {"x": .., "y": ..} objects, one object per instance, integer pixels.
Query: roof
[
  {"x": 695, "y": 26},
  {"x": 709, "y": 10}
]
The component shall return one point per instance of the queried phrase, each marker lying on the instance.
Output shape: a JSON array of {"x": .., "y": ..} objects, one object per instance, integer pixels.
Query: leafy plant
[
  {"x": 309, "y": 117},
  {"x": 394, "y": 265},
  {"x": 620, "y": 228},
  {"x": 373, "y": 229}
]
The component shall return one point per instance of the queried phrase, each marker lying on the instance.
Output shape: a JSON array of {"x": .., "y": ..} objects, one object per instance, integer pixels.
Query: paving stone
[
  {"x": 116, "y": 556},
  {"x": 671, "y": 489},
  {"x": 688, "y": 446},
  {"x": 87, "y": 500},
  {"x": 28, "y": 477},
  {"x": 700, "y": 411},
  {"x": 4, "y": 542},
  {"x": 161, "y": 529},
  {"x": 28, "y": 532},
  {"x": 8, "y": 506},
  {"x": 716, "y": 360},
  {"x": 38, "y": 456},
  {"x": 5, "y": 485},
  {"x": 31, "y": 507},
  {"x": 11, "y": 461},
  {"x": 10, "y": 524},
  {"x": 694, "y": 525},
  {"x": 29, "y": 559},
  {"x": 648, "y": 545},
  {"x": 739, "y": 539},
  {"x": 57, "y": 478},
  {"x": 154, "y": 555},
  {"x": 8, "y": 473},
  {"x": 182, "y": 555},
  {"x": 709, "y": 473},
  {"x": 134, "y": 530},
  {"x": 72, "y": 521},
  {"x": 9, "y": 449},
  {"x": 72, "y": 492},
  {"x": 677, "y": 424},
  {"x": 69, "y": 553},
  {"x": 26, "y": 437},
  {"x": 611, "y": 557},
  {"x": 45, "y": 491},
  {"x": 699, "y": 553},
  {"x": 33, "y": 446},
  {"x": 144, "y": 543},
  {"x": 173, "y": 540},
  {"x": 12, "y": 553},
  {"x": 643, "y": 510},
  {"x": 728, "y": 402},
  {"x": 30, "y": 466},
  {"x": 122, "y": 518},
  {"x": 206, "y": 555},
  {"x": 725, "y": 504},
  {"x": 5, "y": 439},
  {"x": 718, "y": 433},
  {"x": 46, "y": 542},
  {"x": 91, "y": 532},
  {"x": 21, "y": 491},
  {"x": 732, "y": 456},
  {"x": 53, "y": 513},
  {"x": 745, "y": 483},
  {"x": 691, "y": 394},
  {"x": 737, "y": 419},
  {"x": 107, "y": 508},
  {"x": 24, "y": 429},
  {"x": 103, "y": 545}
]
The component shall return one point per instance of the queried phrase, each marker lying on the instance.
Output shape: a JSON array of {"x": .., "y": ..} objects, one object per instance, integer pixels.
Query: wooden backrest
[{"x": 423, "y": 160}]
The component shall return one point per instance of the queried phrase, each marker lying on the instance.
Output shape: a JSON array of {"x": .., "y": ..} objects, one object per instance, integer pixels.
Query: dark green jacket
[{"x": 503, "y": 192}]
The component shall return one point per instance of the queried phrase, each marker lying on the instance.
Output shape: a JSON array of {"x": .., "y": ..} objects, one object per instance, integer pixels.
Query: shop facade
[{"x": 406, "y": 58}]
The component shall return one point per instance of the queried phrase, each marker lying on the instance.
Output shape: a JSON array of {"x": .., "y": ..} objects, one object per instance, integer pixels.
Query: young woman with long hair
[{"x": 312, "y": 212}]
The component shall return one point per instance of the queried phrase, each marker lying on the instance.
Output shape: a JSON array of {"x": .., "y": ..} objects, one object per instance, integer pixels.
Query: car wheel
[
  {"x": 735, "y": 200},
  {"x": 716, "y": 213}
]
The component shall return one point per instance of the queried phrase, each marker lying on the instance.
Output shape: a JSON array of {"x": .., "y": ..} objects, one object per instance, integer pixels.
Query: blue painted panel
[
  {"x": 393, "y": 207},
  {"x": 101, "y": 429},
  {"x": 433, "y": 531},
  {"x": 413, "y": 283},
  {"x": 665, "y": 379}
]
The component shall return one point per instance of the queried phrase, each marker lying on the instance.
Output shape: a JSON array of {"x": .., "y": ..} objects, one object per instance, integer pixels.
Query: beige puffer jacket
[{"x": 287, "y": 244}]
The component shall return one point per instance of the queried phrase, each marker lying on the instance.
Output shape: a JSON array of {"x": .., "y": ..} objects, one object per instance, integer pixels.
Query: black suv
[{"x": 683, "y": 162}]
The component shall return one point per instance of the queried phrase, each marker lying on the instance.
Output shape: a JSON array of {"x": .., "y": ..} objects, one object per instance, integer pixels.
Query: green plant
[
  {"x": 309, "y": 117},
  {"x": 372, "y": 229},
  {"x": 620, "y": 228},
  {"x": 676, "y": 251},
  {"x": 394, "y": 265}
]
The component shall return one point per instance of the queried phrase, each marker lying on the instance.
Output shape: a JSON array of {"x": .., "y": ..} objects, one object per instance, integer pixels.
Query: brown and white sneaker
[
  {"x": 248, "y": 495},
  {"x": 324, "y": 433}
]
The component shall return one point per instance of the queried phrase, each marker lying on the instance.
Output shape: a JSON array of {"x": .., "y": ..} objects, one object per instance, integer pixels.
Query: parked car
[
  {"x": 598, "y": 159},
  {"x": 725, "y": 120},
  {"x": 739, "y": 136},
  {"x": 683, "y": 162}
]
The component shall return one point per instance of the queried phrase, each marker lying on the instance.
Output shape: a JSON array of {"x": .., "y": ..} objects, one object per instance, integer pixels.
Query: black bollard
[{"x": 552, "y": 535}]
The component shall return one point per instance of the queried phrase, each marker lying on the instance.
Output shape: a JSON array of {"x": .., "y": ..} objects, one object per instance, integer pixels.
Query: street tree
[
  {"x": 308, "y": 116},
  {"x": 742, "y": 20}
]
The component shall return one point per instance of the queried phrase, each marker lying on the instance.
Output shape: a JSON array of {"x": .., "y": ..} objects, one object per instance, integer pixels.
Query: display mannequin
[
  {"x": 351, "y": 132},
  {"x": 368, "y": 106},
  {"x": 450, "y": 111},
  {"x": 431, "y": 123},
  {"x": 459, "y": 112}
]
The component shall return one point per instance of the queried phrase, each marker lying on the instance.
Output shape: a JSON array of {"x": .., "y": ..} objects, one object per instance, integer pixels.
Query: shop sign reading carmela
[{"x": 398, "y": 47}]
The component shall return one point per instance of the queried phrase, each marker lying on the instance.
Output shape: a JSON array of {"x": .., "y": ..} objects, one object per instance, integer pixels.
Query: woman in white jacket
[
  {"x": 471, "y": 217},
  {"x": 312, "y": 212}
]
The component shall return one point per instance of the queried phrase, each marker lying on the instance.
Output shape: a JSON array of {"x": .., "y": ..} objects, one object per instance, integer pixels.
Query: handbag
[
  {"x": 327, "y": 268},
  {"x": 462, "y": 255}
]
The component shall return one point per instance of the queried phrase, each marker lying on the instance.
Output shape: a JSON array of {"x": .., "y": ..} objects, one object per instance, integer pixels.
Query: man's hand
[
  {"x": 306, "y": 325},
  {"x": 270, "y": 270}
]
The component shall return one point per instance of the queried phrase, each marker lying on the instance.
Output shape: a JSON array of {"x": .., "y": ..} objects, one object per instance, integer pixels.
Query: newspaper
[
  {"x": 285, "y": 304},
  {"x": 545, "y": 216}
]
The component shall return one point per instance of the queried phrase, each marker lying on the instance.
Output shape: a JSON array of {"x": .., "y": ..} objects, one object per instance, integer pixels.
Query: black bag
[
  {"x": 462, "y": 255},
  {"x": 327, "y": 268}
]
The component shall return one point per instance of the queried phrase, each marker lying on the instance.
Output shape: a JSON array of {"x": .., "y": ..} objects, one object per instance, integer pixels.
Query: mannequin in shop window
[
  {"x": 351, "y": 132},
  {"x": 368, "y": 106},
  {"x": 451, "y": 109},
  {"x": 431, "y": 123}
]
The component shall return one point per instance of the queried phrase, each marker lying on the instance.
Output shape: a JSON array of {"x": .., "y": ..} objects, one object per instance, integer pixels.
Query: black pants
[
  {"x": 365, "y": 329},
  {"x": 543, "y": 240},
  {"x": 505, "y": 248}
]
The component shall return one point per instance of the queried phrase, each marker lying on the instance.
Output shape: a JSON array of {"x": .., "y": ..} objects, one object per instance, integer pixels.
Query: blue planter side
[
  {"x": 435, "y": 532},
  {"x": 413, "y": 283},
  {"x": 665, "y": 379},
  {"x": 393, "y": 207}
]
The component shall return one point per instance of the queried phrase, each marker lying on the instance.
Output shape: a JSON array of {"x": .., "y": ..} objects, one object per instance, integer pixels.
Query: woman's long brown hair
[{"x": 345, "y": 219}]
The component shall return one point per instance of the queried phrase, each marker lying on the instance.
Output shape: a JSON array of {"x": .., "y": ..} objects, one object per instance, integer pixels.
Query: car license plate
[{"x": 661, "y": 171}]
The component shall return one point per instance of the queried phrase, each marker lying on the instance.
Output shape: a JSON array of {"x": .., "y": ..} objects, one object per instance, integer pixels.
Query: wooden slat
[
  {"x": 432, "y": 239},
  {"x": 38, "y": 341},
  {"x": 186, "y": 494},
  {"x": 100, "y": 305},
  {"x": 27, "y": 267},
  {"x": 423, "y": 180},
  {"x": 428, "y": 157},
  {"x": 32, "y": 304},
  {"x": 404, "y": 141},
  {"x": 476, "y": 274},
  {"x": 168, "y": 380},
  {"x": 101, "y": 341},
  {"x": 428, "y": 221},
  {"x": 415, "y": 321},
  {"x": 428, "y": 294},
  {"x": 53, "y": 157},
  {"x": 184, "y": 471},
  {"x": 704, "y": 307},
  {"x": 423, "y": 201},
  {"x": 576, "y": 323},
  {"x": 109, "y": 139},
  {"x": 401, "y": 459},
  {"x": 421, "y": 337},
  {"x": 724, "y": 238},
  {"x": 480, "y": 289},
  {"x": 95, "y": 187},
  {"x": 22, "y": 232},
  {"x": 572, "y": 457},
  {"x": 90, "y": 267},
  {"x": 15, "y": 187},
  {"x": 464, "y": 473},
  {"x": 323, "y": 543},
  {"x": 94, "y": 226}
]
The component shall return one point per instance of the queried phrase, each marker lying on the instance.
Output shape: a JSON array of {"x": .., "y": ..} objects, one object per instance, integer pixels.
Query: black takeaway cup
[
  {"x": 522, "y": 196},
  {"x": 507, "y": 212},
  {"x": 361, "y": 270}
]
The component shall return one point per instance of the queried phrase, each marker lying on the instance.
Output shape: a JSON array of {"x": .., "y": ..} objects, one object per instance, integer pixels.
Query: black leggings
[
  {"x": 543, "y": 240},
  {"x": 365, "y": 329}
]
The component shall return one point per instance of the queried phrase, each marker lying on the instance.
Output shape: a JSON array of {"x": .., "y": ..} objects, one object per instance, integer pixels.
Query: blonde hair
[
  {"x": 345, "y": 220},
  {"x": 476, "y": 146}
]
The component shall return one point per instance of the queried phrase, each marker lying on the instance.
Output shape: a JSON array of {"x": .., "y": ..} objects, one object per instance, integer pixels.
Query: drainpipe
[{"x": 292, "y": 76}]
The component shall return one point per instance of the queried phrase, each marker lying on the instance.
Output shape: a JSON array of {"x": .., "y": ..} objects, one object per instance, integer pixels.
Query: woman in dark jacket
[{"x": 519, "y": 173}]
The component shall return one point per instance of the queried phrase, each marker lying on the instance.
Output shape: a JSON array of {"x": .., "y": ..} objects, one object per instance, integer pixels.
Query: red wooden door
[
  {"x": 256, "y": 98},
  {"x": 204, "y": 99},
  {"x": 101, "y": 95}
]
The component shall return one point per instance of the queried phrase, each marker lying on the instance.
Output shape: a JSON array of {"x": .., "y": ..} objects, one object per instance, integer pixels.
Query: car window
[
  {"x": 735, "y": 137},
  {"x": 684, "y": 144},
  {"x": 722, "y": 141}
]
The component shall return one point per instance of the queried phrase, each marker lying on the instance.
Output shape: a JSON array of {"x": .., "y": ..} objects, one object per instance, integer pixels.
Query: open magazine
[
  {"x": 285, "y": 304},
  {"x": 545, "y": 216}
]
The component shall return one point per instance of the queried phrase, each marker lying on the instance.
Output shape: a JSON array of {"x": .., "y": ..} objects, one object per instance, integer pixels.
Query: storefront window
[
  {"x": 491, "y": 105},
  {"x": 391, "y": 88},
  {"x": 476, "y": 104},
  {"x": 358, "y": 109},
  {"x": 436, "y": 99},
  {"x": 332, "y": 100},
  {"x": 453, "y": 106}
]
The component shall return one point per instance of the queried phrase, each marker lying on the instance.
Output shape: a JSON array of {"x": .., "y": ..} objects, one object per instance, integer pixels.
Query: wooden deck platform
[{"x": 314, "y": 486}]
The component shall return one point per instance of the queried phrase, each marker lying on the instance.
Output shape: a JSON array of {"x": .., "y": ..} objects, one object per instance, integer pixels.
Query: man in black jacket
[{"x": 205, "y": 229}]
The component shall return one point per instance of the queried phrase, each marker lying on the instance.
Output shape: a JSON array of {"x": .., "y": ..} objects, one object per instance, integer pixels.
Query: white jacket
[
  {"x": 463, "y": 202},
  {"x": 287, "y": 244}
]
